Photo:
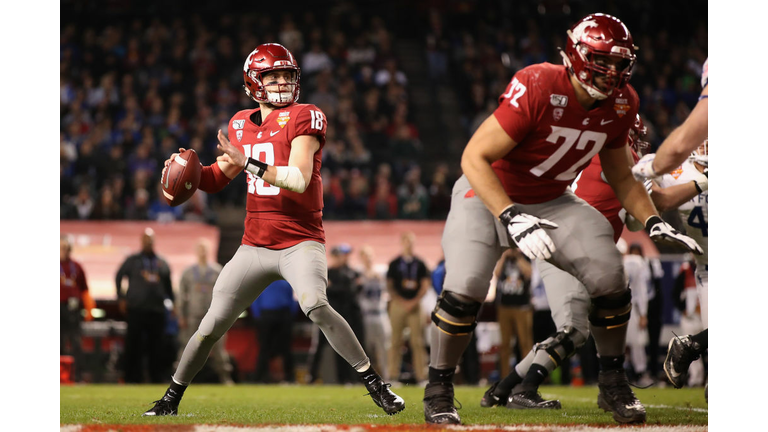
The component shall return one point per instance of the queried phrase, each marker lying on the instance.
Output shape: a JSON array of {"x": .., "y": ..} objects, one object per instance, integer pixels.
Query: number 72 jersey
[
  {"x": 694, "y": 213},
  {"x": 556, "y": 137},
  {"x": 278, "y": 218}
]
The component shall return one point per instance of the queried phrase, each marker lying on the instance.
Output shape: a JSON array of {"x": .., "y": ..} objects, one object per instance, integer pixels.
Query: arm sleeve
[{"x": 213, "y": 179}]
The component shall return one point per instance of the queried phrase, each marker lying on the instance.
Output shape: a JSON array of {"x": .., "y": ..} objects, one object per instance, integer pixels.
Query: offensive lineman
[
  {"x": 279, "y": 145},
  {"x": 549, "y": 124},
  {"x": 567, "y": 297}
]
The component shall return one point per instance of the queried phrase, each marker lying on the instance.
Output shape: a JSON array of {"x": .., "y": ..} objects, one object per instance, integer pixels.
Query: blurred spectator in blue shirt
[{"x": 273, "y": 311}]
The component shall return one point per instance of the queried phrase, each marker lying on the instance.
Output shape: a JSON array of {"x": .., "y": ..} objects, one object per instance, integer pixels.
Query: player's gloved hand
[
  {"x": 643, "y": 170},
  {"x": 661, "y": 231},
  {"x": 528, "y": 233}
]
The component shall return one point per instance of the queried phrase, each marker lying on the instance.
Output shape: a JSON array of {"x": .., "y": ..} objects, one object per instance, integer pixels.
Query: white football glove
[
  {"x": 661, "y": 231},
  {"x": 643, "y": 170},
  {"x": 528, "y": 233}
]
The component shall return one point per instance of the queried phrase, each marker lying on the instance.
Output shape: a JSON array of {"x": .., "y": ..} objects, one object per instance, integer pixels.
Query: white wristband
[{"x": 291, "y": 178}]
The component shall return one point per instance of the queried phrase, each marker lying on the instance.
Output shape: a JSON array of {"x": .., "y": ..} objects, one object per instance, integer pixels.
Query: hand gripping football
[{"x": 182, "y": 177}]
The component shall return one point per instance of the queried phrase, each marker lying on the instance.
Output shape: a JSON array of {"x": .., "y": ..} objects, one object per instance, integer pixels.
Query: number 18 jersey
[
  {"x": 278, "y": 218},
  {"x": 556, "y": 137}
]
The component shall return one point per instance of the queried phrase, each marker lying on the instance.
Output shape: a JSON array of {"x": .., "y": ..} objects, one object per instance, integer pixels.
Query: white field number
[{"x": 570, "y": 136}]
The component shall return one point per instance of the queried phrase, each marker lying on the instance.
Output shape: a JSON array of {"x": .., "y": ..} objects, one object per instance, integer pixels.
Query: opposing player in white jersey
[
  {"x": 551, "y": 121},
  {"x": 694, "y": 213}
]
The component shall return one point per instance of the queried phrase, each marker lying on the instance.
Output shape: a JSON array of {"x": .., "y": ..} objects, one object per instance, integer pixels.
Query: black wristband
[
  {"x": 261, "y": 167},
  {"x": 506, "y": 216},
  {"x": 653, "y": 220},
  {"x": 698, "y": 188}
]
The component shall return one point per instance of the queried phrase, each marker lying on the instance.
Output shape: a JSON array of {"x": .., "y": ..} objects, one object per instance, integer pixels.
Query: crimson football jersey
[
  {"x": 592, "y": 187},
  {"x": 556, "y": 137},
  {"x": 278, "y": 218}
]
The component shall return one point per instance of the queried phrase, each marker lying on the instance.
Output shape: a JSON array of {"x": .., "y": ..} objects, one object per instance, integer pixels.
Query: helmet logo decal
[{"x": 578, "y": 32}]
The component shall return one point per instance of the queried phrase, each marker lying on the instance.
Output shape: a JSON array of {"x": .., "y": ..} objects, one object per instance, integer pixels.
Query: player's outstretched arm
[
  {"x": 631, "y": 193},
  {"x": 679, "y": 144},
  {"x": 635, "y": 199}
]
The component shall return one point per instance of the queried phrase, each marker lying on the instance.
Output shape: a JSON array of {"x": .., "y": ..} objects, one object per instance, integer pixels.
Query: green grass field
[{"x": 265, "y": 404}]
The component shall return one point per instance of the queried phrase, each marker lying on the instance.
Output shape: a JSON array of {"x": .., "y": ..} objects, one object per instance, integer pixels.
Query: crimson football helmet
[
  {"x": 636, "y": 133},
  {"x": 269, "y": 58},
  {"x": 594, "y": 36}
]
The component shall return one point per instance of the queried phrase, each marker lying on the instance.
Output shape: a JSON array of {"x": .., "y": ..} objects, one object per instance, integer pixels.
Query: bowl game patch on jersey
[{"x": 283, "y": 118}]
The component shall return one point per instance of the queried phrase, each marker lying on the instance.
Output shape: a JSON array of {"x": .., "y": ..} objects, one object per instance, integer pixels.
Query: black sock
[
  {"x": 441, "y": 375},
  {"x": 175, "y": 391},
  {"x": 369, "y": 375},
  {"x": 506, "y": 385},
  {"x": 611, "y": 363},
  {"x": 535, "y": 376},
  {"x": 701, "y": 339}
]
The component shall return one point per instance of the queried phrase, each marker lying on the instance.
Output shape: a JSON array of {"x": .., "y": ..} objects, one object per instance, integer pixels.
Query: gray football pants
[
  {"x": 473, "y": 240},
  {"x": 245, "y": 277}
]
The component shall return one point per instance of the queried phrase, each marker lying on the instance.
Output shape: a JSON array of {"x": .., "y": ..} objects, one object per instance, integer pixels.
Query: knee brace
[
  {"x": 451, "y": 305},
  {"x": 562, "y": 345},
  {"x": 611, "y": 311}
]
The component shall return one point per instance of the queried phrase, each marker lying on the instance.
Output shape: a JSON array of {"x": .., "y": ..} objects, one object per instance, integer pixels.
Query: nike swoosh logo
[
  {"x": 603, "y": 122},
  {"x": 274, "y": 133}
]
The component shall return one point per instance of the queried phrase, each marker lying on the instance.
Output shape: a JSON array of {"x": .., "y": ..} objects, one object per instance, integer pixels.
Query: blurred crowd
[
  {"x": 476, "y": 47},
  {"x": 133, "y": 91}
]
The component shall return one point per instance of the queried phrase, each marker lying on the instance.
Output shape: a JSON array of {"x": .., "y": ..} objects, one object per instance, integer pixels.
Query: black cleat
[
  {"x": 384, "y": 398},
  {"x": 615, "y": 396},
  {"x": 491, "y": 400},
  {"x": 163, "y": 407},
  {"x": 681, "y": 352},
  {"x": 438, "y": 404},
  {"x": 531, "y": 400}
]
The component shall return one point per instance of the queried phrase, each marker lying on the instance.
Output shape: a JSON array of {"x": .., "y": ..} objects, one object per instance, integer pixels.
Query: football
[{"x": 181, "y": 178}]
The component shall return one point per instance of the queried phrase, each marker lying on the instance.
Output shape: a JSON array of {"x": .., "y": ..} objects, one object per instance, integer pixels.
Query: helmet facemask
[
  {"x": 701, "y": 154},
  {"x": 598, "y": 66},
  {"x": 278, "y": 94},
  {"x": 637, "y": 132}
]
